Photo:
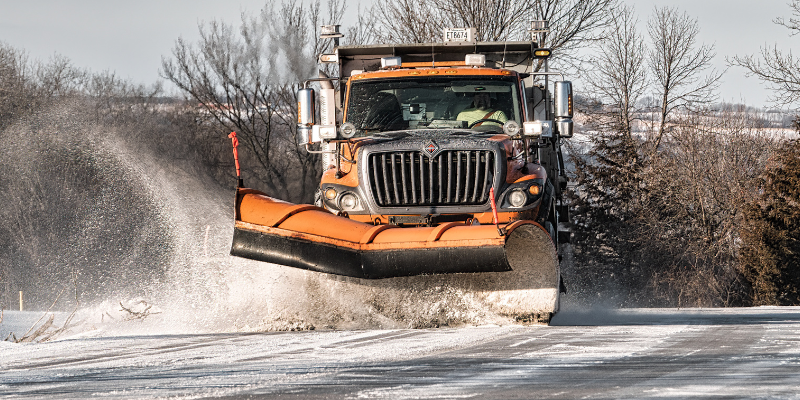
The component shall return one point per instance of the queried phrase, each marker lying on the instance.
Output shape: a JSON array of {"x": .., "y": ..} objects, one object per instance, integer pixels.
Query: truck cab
[{"x": 423, "y": 134}]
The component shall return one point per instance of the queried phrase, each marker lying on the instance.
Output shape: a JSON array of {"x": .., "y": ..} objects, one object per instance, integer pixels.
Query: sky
[
  {"x": 131, "y": 37},
  {"x": 734, "y": 27}
]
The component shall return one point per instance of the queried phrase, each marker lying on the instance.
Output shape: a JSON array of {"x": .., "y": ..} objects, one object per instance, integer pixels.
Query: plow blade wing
[{"x": 519, "y": 269}]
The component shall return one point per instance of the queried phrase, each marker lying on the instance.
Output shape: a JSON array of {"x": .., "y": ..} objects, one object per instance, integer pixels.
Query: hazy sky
[{"x": 130, "y": 37}]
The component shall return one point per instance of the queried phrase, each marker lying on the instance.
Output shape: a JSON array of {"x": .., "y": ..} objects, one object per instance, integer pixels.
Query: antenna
[
  {"x": 539, "y": 28},
  {"x": 331, "y": 32},
  {"x": 505, "y": 47}
]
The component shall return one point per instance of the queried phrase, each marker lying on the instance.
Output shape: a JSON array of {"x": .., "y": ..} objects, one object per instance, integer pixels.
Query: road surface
[{"x": 637, "y": 353}]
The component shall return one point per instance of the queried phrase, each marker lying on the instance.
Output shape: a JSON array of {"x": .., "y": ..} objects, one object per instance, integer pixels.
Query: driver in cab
[{"x": 481, "y": 110}]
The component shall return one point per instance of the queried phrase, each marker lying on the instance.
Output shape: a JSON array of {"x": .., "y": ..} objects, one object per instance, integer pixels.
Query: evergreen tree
[
  {"x": 605, "y": 206},
  {"x": 770, "y": 254}
]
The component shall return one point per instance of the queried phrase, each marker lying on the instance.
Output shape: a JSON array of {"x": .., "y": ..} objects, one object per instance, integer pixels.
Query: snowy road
[{"x": 746, "y": 353}]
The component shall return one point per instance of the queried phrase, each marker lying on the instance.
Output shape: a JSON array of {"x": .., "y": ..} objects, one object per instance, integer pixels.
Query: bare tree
[
  {"x": 26, "y": 85},
  {"x": 572, "y": 22},
  {"x": 619, "y": 76},
  {"x": 245, "y": 81},
  {"x": 495, "y": 20},
  {"x": 16, "y": 83},
  {"x": 58, "y": 77},
  {"x": 407, "y": 21},
  {"x": 660, "y": 190},
  {"x": 678, "y": 65},
  {"x": 610, "y": 192},
  {"x": 365, "y": 29},
  {"x": 781, "y": 71},
  {"x": 718, "y": 157}
]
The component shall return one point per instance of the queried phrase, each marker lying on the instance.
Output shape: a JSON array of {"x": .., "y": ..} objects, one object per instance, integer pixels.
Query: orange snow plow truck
[{"x": 441, "y": 162}]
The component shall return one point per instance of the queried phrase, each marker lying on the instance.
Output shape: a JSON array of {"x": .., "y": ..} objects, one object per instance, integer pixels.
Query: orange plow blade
[{"x": 516, "y": 271}]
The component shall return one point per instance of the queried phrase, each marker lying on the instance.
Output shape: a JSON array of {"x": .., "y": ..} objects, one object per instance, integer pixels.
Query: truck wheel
[
  {"x": 550, "y": 231},
  {"x": 318, "y": 197}
]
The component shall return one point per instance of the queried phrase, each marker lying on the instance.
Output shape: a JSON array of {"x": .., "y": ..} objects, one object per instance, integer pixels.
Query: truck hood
[{"x": 421, "y": 134}]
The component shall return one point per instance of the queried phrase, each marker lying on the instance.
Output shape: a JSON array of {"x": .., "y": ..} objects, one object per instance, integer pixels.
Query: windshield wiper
[{"x": 390, "y": 134}]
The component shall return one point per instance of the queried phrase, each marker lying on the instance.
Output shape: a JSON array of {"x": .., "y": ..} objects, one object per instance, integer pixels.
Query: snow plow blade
[{"x": 521, "y": 262}]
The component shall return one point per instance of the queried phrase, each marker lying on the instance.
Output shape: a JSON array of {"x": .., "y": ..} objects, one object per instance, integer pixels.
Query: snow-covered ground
[{"x": 634, "y": 353}]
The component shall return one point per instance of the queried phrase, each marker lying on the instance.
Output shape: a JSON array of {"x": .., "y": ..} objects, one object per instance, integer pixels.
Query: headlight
[
  {"x": 517, "y": 198},
  {"x": 511, "y": 128},
  {"x": 342, "y": 198},
  {"x": 522, "y": 195},
  {"x": 347, "y": 130},
  {"x": 348, "y": 202},
  {"x": 330, "y": 193}
]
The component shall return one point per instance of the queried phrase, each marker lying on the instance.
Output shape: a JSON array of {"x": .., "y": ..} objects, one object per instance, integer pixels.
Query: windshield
[{"x": 484, "y": 103}]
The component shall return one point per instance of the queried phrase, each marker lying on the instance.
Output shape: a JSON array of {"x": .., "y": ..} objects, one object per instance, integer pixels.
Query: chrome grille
[{"x": 452, "y": 177}]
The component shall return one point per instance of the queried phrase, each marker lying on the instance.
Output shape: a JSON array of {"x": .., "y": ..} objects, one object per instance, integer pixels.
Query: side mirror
[
  {"x": 562, "y": 99},
  {"x": 306, "y": 113}
]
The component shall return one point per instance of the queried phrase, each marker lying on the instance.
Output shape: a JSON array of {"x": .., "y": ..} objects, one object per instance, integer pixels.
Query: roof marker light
[
  {"x": 542, "y": 53},
  {"x": 328, "y": 58},
  {"x": 391, "y": 62},
  {"x": 475, "y": 60}
]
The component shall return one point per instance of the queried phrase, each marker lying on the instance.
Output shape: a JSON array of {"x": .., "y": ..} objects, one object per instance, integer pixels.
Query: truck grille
[{"x": 452, "y": 177}]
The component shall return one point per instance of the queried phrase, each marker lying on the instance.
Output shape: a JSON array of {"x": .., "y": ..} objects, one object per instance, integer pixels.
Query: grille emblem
[{"x": 431, "y": 148}]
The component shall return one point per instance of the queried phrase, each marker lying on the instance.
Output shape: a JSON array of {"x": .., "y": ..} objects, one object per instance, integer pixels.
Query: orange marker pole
[
  {"x": 235, "y": 143},
  {"x": 494, "y": 206},
  {"x": 495, "y": 220}
]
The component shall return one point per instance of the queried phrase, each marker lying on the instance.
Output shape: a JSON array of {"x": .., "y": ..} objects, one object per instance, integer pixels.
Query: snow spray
[{"x": 144, "y": 241}]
